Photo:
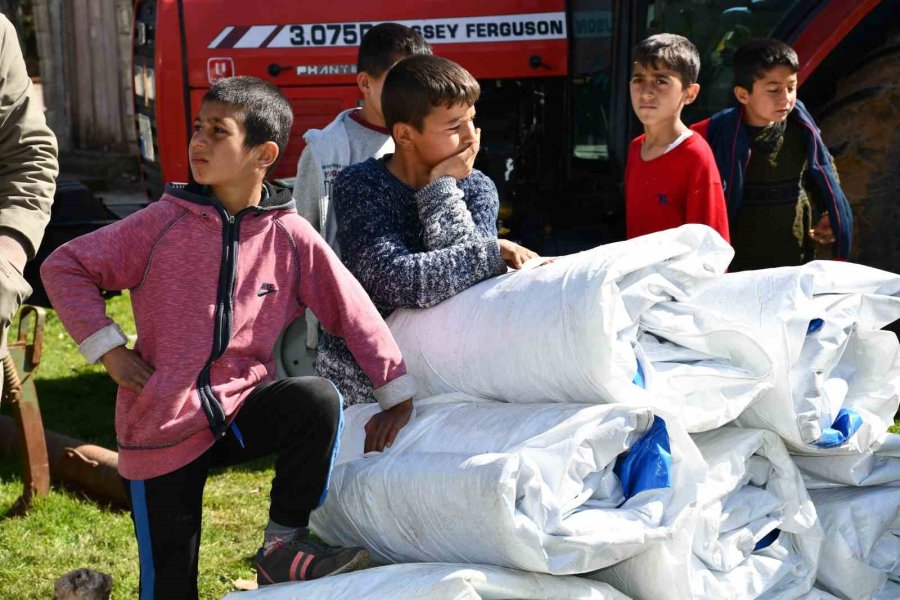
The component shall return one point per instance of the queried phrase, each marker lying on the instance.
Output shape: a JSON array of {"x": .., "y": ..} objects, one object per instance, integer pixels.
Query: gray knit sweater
[{"x": 409, "y": 248}]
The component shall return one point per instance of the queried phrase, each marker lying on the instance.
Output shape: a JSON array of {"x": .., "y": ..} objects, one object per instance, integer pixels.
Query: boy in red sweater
[{"x": 671, "y": 176}]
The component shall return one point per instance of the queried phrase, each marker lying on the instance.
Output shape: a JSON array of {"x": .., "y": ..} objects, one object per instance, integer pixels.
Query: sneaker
[{"x": 301, "y": 559}]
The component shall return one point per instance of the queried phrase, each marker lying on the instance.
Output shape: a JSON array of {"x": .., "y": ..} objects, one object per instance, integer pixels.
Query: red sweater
[{"x": 681, "y": 186}]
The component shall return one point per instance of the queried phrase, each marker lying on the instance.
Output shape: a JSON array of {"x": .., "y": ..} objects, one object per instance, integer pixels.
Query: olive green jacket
[{"x": 28, "y": 169}]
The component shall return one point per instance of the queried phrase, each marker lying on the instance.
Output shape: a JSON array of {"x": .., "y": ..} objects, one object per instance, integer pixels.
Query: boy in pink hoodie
[{"x": 216, "y": 269}]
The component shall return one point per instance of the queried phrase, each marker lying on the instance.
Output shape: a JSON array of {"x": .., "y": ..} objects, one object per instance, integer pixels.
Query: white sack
[
  {"x": 711, "y": 383},
  {"x": 431, "y": 581},
  {"x": 860, "y": 556},
  {"x": 524, "y": 486},
  {"x": 879, "y": 465},
  {"x": 751, "y": 489},
  {"x": 819, "y": 594},
  {"x": 819, "y": 323},
  {"x": 562, "y": 332}
]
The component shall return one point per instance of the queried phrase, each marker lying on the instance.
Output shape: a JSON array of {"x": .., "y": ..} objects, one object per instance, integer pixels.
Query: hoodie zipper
[{"x": 212, "y": 407}]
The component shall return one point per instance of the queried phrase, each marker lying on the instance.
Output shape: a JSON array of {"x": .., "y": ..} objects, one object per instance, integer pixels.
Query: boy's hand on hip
[
  {"x": 382, "y": 429},
  {"x": 822, "y": 233},
  {"x": 514, "y": 255},
  {"x": 460, "y": 165},
  {"x": 127, "y": 368}
]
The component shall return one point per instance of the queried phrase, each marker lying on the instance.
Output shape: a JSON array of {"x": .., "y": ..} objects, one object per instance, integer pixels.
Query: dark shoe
[{"x": 301, "y": 559}]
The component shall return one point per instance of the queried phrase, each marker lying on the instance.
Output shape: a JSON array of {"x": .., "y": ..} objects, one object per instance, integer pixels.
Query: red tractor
[{"x": 555, "y": 114}]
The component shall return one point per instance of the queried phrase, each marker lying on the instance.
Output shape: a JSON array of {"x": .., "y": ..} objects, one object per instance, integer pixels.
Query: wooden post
[
  {"x": 81, "y": 69},
  {"x": 124, "y": 18},
  {"x": 85, "y": 53},
  {"x": 48, "y": 28}
]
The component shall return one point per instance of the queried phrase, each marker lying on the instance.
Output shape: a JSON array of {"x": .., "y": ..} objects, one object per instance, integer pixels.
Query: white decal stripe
[
  {"x": 255, "y": 37},
  {"x": 215, "y": 43}
]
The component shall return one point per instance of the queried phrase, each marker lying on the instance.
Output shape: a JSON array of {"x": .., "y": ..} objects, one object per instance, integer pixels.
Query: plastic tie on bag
[
  {"x": 844, "y": 427},
  {"x": 648, "y": 463},
  {"x": 767, "y": 540},
  {"x": 814, "y": 326},
  {"x": 639, "y": 379}
]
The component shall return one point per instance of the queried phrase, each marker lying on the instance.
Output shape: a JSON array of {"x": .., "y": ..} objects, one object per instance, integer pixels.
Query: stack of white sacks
[{"x": 618, "y": 424}]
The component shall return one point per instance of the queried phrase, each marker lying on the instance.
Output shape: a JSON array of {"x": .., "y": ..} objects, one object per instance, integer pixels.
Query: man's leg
[{"x": 166, "y": 511}]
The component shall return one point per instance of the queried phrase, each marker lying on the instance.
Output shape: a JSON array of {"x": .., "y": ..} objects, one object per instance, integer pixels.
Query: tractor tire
[{"x": 860, "y": 127}]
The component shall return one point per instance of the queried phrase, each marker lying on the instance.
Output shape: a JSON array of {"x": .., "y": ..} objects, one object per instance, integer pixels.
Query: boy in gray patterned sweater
[
  {"x": 419, "y": 225},
  {"x": 355, "y": 135}
]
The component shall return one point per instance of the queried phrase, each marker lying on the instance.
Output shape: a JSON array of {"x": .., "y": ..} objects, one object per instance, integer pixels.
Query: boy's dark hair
[
  {"x": 670, "y": 51},
  {"x": 385, "y": 44},
  {"x": 756, "y": 56},
  {"x": 266, "y": 113},
  {"x": 419, "y": 83}
]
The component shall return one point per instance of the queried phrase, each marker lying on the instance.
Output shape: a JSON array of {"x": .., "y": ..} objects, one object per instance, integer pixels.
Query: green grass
[{"x": 64, "y": 532}]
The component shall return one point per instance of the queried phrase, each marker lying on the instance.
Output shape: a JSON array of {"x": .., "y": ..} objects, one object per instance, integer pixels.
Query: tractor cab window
[
  {"x": 592, "y": 49},
  {"x": 717, "y": 28}
]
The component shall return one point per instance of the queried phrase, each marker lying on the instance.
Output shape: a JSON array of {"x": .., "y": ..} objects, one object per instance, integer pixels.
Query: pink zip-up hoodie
[{"x": 211, "y": 293}]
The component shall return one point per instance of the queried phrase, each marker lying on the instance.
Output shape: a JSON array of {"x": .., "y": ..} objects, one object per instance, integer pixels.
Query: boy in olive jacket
[{"x": 28, "y": 171}]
